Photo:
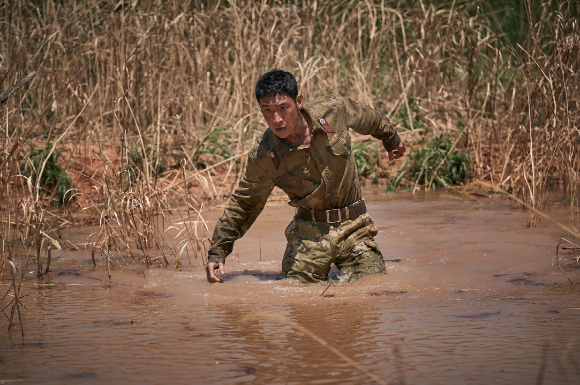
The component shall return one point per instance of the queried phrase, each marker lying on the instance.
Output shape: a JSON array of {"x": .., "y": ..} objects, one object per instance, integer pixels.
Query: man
[{"x": 306, "y": 151}]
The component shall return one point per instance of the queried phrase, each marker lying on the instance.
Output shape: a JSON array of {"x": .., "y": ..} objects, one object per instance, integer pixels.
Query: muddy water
[{"x": 472, "y": 296}]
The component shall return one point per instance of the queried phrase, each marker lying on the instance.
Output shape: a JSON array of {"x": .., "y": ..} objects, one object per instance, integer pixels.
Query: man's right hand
[{"x": 210, "y": 271}]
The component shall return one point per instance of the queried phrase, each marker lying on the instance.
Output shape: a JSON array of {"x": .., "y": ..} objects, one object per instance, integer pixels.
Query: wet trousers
[{"x": 313, "y": 246}]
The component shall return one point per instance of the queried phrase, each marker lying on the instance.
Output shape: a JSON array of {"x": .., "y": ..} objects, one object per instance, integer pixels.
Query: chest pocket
[
  {"x": 302, "y": 179},
  {"x": 342, "y": 145}
]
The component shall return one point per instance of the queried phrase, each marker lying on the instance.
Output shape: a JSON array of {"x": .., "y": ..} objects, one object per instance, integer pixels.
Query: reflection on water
[{"x": 472, "y": 296}]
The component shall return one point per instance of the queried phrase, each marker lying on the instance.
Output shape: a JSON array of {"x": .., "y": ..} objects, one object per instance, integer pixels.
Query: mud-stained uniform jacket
[{"x": 319, "y": 176}]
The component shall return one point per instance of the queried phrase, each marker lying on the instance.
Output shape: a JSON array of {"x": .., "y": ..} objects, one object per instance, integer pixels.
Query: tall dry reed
[
  {"x": 173, "y": 81},
  {"x": 165, "y": 75}
]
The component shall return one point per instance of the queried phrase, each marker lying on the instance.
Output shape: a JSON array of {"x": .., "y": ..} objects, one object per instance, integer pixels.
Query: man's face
[{"x": 282, "y": 114}]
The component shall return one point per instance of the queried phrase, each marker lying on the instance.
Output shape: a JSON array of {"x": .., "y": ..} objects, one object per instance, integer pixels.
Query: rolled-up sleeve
[{"x": 368, "y": 121}]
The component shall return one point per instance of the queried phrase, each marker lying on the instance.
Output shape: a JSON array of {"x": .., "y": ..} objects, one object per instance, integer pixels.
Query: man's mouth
[{"x": 280, "y": 128}]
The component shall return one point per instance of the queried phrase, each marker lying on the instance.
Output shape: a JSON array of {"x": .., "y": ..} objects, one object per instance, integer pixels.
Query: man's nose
[{"x": 277, "y": 117}]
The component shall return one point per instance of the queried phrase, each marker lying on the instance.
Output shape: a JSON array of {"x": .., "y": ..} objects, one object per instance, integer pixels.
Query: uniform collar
[{"x": 280, "y": 148}]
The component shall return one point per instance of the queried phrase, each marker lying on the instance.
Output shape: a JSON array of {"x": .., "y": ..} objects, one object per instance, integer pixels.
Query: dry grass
[
  {"x": 174, "y": 83},
  {"x": 163, "y": 78},
  {"x": 139, "y": 216}
]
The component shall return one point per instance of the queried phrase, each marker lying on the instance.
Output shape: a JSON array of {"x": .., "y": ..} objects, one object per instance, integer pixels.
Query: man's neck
[{"x": 303, "y": 136}]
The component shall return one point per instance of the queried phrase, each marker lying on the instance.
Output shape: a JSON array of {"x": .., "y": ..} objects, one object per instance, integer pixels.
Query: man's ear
[{"x": 299, "y": 101}]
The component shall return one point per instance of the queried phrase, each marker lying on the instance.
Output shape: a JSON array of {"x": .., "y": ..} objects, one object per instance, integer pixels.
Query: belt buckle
[
  {"x": 328, "y": 216},
  {"x": 339, "y": 215}
]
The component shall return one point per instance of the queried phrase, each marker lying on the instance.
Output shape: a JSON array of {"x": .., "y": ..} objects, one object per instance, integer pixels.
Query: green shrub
[
  {"x": 217, "y": 142},
  {"x": 49, "y": 179},
  {"x": 394, "y": 183},
  {"x": 368, "y": 160},
  {"x": 438, "y": 164},
  {"x": 136, "y": 164},
  {"x": 403, "y": 117}
]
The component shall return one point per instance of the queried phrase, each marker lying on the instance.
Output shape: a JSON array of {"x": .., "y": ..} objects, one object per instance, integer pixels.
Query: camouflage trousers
[{"x": 313, "y": 246}]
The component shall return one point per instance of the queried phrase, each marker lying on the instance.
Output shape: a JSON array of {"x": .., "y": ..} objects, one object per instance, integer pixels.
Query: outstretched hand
[
  {"x": 397, "y": 152},
  {"x": 210, "y": 271}
]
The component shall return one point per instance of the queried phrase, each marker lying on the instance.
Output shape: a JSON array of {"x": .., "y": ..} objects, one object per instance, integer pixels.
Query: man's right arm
[{"x": 240, "y": 213}]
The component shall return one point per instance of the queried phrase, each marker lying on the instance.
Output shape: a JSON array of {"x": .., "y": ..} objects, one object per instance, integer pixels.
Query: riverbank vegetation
[{"x": 148, "y": 106}]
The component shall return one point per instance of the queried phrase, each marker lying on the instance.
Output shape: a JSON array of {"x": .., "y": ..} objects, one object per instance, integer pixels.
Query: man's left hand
[{"x": 397, "y": 152}]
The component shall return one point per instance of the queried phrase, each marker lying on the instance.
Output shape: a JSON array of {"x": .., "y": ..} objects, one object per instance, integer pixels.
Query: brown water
[{"x": 475, "y": 298}]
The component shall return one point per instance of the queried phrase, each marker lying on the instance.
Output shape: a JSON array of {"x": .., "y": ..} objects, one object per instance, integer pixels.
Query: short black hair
[{"x": 276, "y": 82}]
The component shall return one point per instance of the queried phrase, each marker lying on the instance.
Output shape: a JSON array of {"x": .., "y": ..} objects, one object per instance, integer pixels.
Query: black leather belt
[{"x": 332, "y": 215}]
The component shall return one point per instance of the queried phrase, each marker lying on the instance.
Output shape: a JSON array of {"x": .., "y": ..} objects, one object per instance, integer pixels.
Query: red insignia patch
[
  {"x": 326, "y": 126},
  {"x": 353, "y": 103},
  {"x": 274, "y": 159}
]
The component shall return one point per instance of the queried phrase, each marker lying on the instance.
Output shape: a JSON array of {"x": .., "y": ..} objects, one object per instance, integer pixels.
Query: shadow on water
[{"x": 261, "y": 275}]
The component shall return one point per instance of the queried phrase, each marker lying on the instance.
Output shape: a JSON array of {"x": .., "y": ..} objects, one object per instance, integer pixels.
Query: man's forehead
[{"x": 275, "y": 100}]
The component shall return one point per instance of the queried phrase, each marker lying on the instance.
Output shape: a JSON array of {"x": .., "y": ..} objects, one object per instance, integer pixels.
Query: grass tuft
[
  {"x": 53, "y": 179},
  {"x": 439, "y": 163}
]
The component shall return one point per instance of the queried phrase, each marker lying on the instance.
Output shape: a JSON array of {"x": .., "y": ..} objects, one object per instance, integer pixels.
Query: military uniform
[{"x": 318, "y": 176}]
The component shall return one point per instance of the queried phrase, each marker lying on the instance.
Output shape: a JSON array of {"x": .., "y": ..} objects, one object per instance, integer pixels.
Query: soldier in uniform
[{"x": 306, "y": 152}]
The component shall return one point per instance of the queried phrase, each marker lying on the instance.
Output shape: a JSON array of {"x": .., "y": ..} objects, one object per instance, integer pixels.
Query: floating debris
[
  {"x": 385, "y": 292},
  {"x": 245, "y": 369},
  {"x": 82, "y": 375},
  {"x": 523, "y": 281},
  {"x": 113, "y": 323},
  {"x": 479, "y": 316},
  {"x": 153, "y": 294},
  {"x": 35, "y": 344}
]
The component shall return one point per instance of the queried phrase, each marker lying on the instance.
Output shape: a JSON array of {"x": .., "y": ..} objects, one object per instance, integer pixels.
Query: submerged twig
[
  {"x": 48, "y": 259},
  {"x": 543, "y": 364},
  {"x": 537, "y": 211},
  {"x": 16, "y": 303},
  {"x": 303, "y": 330},
  {"x": 558, "y": 258},
  {"x": 327, "y": 287}
]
